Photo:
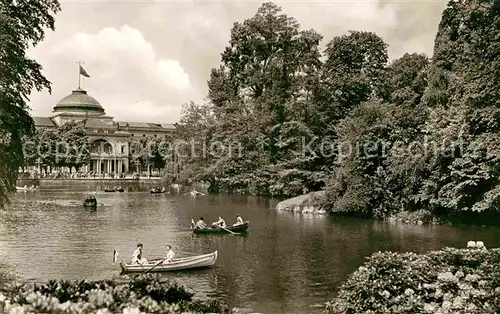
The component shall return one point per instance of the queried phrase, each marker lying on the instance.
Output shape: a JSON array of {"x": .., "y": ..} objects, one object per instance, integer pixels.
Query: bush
[
  {"x": 144, "y": 293},
  {"x": 446, "y": 281},
  {"x": 416, "y": 217}
]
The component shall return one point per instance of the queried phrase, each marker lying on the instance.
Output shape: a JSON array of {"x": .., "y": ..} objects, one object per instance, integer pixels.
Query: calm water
[{"x": 287, "y": 263}]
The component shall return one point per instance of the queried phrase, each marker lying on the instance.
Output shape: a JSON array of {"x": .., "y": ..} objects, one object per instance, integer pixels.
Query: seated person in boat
[
  {"x": 170, "y": 254},
  {"x": 137, "y": 256},
  {"x": 239, "y": 220},
  {"x": 91, "y": 200},
  {"x": 219, "y": 223},
  {"x": 201, "y": 224}
]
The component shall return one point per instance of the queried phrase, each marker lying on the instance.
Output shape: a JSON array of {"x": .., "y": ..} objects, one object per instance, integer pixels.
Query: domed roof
[{"x": 78, "y": 100}]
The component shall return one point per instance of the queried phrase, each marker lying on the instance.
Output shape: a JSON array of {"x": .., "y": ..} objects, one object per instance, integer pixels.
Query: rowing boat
[
  {"x": 184, "y": 263},
  {"x": 238, "y": 228},
  {"x": 25, "y": 188},
  {"x": 90, "y": 202}
]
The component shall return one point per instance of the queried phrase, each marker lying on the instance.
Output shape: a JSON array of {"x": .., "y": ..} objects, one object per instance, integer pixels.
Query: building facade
[{"x": 110, "y": 140}]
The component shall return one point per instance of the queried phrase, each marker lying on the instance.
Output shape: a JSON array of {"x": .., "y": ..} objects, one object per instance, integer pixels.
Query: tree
[
  {"x": 265, "y": 82},
  {"x": 373, "y": 176},
  {"x": 407, "y": 79},
  {"x": 355, "y": 70},
  {"x": 193, "y": 135},
  {"x": 47, "y": 141},
  {"x": 73, "y": 150},
  {"x": 22, "y": 24},
  {"x": 464, "y": 89},
  {"x": 40, "y": 148}
]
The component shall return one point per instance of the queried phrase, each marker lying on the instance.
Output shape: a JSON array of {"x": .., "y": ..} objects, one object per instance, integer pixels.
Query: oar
[
  {"x": 229, "y": 230},
  {"x": 147, "y": 271}
]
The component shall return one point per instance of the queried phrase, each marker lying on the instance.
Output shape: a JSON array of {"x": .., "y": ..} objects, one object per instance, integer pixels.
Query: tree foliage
[
  {"x": 415, "y": 134},
  {"x": 22, "y": 24},
  {"x": 66, "y": 146},
  {"x": 73, "y": 149}
]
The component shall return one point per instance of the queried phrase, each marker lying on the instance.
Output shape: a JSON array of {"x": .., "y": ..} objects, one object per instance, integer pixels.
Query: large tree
[
  {"x": 22, "y": 24},
  {"x": 73, "y": 150},
  {"x": 261, "y": 90},
  {"x": 464, "y": 93},
  {"x": 355, "y": 70}
]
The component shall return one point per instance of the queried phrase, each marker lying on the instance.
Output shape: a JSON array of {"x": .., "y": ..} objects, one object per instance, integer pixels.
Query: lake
[{"x": 286, "y": 263}]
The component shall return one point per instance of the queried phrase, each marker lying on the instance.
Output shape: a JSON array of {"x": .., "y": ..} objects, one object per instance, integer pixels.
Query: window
[{"x": 123, "y": 149}]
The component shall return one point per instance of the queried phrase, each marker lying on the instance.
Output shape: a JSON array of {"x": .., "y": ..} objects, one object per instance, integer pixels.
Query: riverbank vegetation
[
  {"x": 415, "y": 134},
  {"x": 22, "y": 24},
  {"x": 446, "y": 281},
  {"x": 68, "y": 146},
  {"x": 142, "y": 294}
]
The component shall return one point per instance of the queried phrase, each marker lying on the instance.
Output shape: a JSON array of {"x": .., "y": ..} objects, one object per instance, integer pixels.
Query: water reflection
[{"x": 285, "y": 263}]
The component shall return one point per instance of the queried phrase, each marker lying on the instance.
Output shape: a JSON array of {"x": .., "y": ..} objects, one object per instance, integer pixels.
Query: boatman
[
  {"x": 170, "y": 254},
  {"x": 220, "y": 222},
  {"x": 137, "y": 256},
  {"x": 201, "y": 224},
  {"x": 239, "y": 220}
]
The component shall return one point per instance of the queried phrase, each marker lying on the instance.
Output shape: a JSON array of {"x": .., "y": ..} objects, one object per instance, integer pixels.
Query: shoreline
[{"x": 43, "y": 181}]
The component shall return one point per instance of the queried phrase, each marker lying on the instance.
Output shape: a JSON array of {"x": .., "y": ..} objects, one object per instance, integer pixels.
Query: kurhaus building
[{"x": 110, "y": 140}]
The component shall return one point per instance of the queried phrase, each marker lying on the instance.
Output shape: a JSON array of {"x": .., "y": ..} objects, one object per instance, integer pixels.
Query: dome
[{"x": 78, "y": 100}]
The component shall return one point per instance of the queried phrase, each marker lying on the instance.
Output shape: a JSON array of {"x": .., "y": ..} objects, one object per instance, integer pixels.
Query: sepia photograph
[{"x": 249, "y": 157}]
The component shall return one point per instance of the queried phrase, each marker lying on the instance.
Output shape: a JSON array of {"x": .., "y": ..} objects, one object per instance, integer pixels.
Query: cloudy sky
[{"x": 147, "y": 58}]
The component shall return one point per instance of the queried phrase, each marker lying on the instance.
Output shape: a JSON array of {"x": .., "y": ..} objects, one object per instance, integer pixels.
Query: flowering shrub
[
  {"x": 142, "y": 294},
  {"x": 446, "y": 281}
]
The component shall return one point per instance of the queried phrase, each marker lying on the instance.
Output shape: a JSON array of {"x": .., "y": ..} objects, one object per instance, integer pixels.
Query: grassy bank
[
  {"x": 142, "y": 294},
  {"x": 446, "y": 281}
]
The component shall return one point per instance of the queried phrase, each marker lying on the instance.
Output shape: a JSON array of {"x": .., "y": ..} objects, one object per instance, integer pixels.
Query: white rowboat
[{"x": 183, "y": 263}]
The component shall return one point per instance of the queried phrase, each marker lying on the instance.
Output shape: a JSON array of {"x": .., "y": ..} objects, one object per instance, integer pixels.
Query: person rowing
[
  {"x": 193, "y": 192},
  {"x": 201, "y": 224},
  {"x": 137, "y": 256},
  {"x": 170, "y": 254},
  {"x": 219, "y": 223}
]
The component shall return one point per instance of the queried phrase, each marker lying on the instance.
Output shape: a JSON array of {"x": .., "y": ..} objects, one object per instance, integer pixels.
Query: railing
[{"x": 94, "y": 154}]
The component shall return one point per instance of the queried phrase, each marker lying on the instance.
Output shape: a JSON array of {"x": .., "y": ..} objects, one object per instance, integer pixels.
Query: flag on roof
[{"x": 83, "y": 72}]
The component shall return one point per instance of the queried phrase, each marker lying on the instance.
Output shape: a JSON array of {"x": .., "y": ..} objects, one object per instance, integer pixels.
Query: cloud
[
  {"x": 123, "y": 51},
  {"x": 130, "y": 79}
]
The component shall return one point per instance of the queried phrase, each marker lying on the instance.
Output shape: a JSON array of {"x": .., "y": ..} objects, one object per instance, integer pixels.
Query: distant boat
[
  {"x": 176, "y": 264},
  {"x": 157, "y": 190},
  {"x": 194, "y": 193},
  {"x": 238, "y": 228},
  {"x": 115, "y": 189},
  {"x": 90, "y": 202},
  {"x": 26, "y": 188}
]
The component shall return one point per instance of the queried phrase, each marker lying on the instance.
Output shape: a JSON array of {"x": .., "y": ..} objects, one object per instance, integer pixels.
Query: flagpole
[
  {"x": 79, "y": 74},
  {"x": 78, "y": 65}
]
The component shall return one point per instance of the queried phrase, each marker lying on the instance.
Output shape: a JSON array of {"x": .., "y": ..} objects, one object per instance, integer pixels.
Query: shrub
[
  {"x": 144, "y": 293},
  {"x": 422, "y": 215},
  {"x": 446, "y": 281}
]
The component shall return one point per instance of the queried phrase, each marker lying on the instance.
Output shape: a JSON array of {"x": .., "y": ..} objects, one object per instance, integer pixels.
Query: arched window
[{"x": 101, "y": 146}]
